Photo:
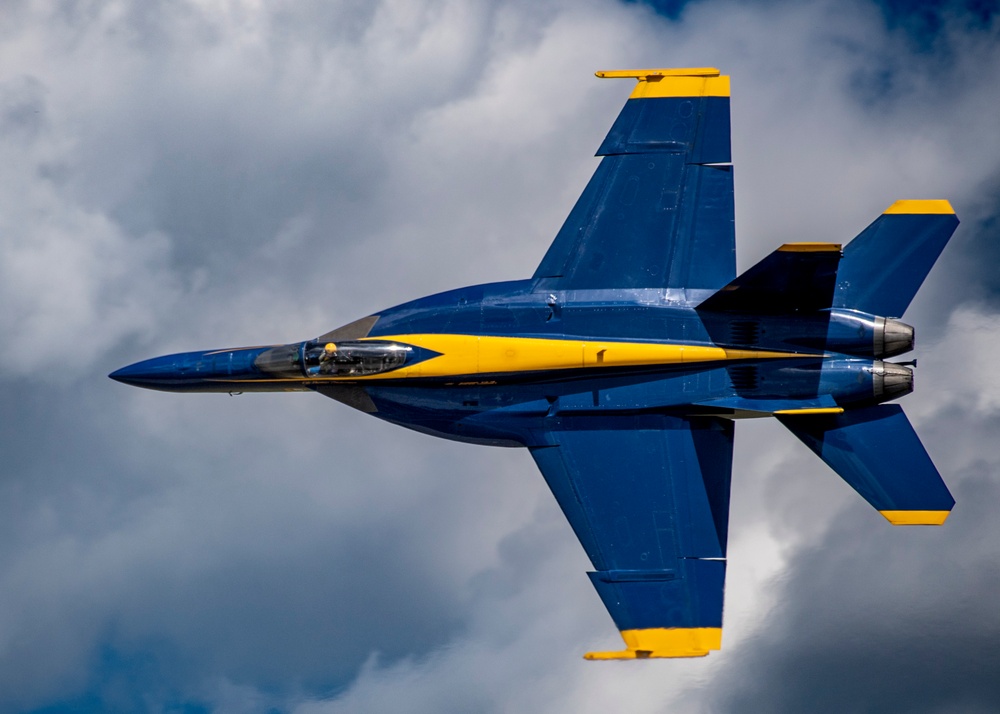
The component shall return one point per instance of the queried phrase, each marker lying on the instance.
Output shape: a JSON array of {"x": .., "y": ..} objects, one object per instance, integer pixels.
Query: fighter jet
[{"x": 623, "y": 363}]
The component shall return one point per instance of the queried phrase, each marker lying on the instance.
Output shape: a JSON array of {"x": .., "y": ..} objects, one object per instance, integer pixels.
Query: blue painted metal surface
[
  {"x": 879, "y": 454},
  {"x": 624, "y": 361},
  {"x": 884, "y": 266}
]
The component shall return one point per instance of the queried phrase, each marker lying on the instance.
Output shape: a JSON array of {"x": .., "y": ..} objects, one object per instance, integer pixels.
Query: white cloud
[
  {"x": 71, "y": 280},
  {"x": 961, "y": 366}
]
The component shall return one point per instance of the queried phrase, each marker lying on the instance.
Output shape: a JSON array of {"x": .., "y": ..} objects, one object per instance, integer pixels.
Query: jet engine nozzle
[
  {"x": 864, "y": 335},
  {"x": 890, "y": 381},
  {"x": 892, "y": 337}
]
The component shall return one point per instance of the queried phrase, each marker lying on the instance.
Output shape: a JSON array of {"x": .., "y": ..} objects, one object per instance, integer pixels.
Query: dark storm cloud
[
  {"x": 872, "y": 618},
  {"x": 230, "y": 552},
  {"x": 877, "y": 619},
  {"x": 977, "y": 252}
]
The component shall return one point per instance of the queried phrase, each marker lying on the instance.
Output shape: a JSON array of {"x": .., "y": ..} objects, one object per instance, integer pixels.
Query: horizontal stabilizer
[
  {"x": 879, "y": 454},
  {"x": 797, "y": 277},
  {"x": 884, "y": 266}
]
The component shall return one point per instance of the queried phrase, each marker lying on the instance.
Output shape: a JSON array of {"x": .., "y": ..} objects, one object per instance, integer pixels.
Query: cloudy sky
[{"x": 197, "y": 174}]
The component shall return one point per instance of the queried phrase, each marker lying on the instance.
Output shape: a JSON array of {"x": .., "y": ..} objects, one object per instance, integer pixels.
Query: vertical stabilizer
[{"x": 884, "y": 266}]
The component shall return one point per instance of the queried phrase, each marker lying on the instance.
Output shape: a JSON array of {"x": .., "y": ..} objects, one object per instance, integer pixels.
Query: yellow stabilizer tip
[
  {"x": 810, "y": 248},
  {"x": 915, "y": 518},
  {"x": 932, "y": 206},
  {"x": 818, "y": 410},
  {"x": 661, "y": 642}
]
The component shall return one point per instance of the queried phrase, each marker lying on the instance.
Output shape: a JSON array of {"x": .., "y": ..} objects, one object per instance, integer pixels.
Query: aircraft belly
[{"x": 506, "y": 412}]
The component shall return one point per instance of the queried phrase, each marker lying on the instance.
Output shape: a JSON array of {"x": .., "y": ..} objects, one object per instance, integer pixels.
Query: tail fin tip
[{"x": 910, "y": 206}]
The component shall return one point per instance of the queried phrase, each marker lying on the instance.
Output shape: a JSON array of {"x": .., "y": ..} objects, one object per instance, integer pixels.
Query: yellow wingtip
[
  {"x": 641, "y": 654},
  {"x": 929, "y": 206},
  {"x": 664, "y": 642},
  {"x": 647, "y": 73},
  {"x": 686, "y": 82},
  {"x": 916, "y": 518}
]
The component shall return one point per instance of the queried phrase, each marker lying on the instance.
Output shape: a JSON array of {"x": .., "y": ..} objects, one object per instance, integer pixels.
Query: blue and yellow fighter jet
[{"x": 622, "y": 363}]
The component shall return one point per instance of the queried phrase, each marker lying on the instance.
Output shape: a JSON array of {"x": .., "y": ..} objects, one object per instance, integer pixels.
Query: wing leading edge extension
[
  {"x": 658, "y": 212},
  {"x": 648, "y": 498}
]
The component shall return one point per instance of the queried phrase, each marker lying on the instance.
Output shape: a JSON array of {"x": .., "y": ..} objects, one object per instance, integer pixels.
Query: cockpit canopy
[{"x": 333, "y": 359}]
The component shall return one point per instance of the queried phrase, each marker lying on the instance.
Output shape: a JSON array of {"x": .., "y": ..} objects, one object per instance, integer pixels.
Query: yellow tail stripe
[
  {"x": 915, "y": 518},
  {"x": 658, "y": 642}
]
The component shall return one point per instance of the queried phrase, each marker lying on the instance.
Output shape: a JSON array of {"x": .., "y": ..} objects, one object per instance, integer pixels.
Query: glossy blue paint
[
  {"x": 639, "y": 456},
  {"x": 658, "y": 213},
  {"x": 694, "y": 127},
  {"x": 877, "y": 452},
  {"x": 655, "y": 503},
  {"x": 885, "y": 265},
  {"x": 202, "y": 371},
  {"x": 784, "y": 282}
]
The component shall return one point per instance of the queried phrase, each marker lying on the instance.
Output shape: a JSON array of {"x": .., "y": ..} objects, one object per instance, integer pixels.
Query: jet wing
[
  {"x": 658, "y": 212},
  {"x": 648, "y": 497}
]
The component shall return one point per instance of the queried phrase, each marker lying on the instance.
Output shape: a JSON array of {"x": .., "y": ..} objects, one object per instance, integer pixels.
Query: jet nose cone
[
  {"x": 207, "y": 371},
  {"x": 153, "y": 373},
  {"x": 122, "y": 375}
]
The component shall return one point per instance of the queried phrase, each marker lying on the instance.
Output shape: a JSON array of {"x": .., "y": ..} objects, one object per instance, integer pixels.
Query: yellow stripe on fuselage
[{"x": 485, "y": 354}]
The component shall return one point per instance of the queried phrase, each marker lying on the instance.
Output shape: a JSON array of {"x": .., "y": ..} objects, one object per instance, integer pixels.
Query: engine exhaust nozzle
[
  {"x": 890, "y": 381},
  {"x": 892, "y": 337}
]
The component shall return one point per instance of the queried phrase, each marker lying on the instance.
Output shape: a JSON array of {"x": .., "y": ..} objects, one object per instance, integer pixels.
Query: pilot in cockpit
[{"x": 326, "y": 360}]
